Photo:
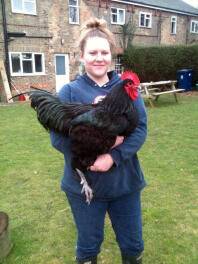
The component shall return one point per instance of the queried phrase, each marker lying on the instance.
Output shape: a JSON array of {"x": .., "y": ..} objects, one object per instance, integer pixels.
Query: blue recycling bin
[{"x": 185, "y": 79}]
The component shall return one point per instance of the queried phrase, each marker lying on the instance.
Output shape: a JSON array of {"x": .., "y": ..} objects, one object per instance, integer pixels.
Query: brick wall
[
  {"x": 45, "y": 31},
  {"x": 34, "y": 26},
  {"x": 159, "y": 34},
  {"x": 180, "y": 38}
]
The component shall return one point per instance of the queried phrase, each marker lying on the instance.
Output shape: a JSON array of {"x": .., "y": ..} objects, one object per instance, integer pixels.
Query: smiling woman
[
  {"x": 115, "y": 173},
  {"x": 97, "y": 57},
  {"x": 96, "y": 48}
]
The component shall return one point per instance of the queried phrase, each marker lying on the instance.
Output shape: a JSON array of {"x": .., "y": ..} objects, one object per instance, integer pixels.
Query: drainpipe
[
  {"x": 187, "y": 29},
  {"x": 159, "y": 28},
  {"x": 6, "y": 40}
]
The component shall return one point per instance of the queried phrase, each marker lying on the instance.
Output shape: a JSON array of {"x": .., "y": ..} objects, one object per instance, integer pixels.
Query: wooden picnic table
[{"x": 152, "y": 90}]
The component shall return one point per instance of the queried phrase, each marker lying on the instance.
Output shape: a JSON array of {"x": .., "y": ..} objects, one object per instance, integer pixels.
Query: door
[{"x": 62, "y": 70}]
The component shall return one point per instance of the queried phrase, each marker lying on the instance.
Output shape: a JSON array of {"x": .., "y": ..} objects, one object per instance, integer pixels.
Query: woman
[{"x": 116, "y": 177}]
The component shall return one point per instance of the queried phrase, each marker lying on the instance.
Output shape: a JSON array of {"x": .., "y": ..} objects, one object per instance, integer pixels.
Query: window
[
  {"x": 26, "y": 63},
  {"x": 73, "y": 12},
  {"x": 173, "y": 24},
  {"x": 118, "y": 64},
  {"x": 24, "y": 6},
  {"x": 145, "y": 20},
  {"x": 60, "y": 65},
  {"x": 194, "y": 26},
  {"x": 117, "y": 16}
]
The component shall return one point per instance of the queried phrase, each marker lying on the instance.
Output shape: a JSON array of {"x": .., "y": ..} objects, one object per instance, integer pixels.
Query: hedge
[{"x": 158, "y": 63}]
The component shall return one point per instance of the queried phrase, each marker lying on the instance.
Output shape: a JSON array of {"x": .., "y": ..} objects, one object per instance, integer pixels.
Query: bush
[{"x": 161, "y": 63}]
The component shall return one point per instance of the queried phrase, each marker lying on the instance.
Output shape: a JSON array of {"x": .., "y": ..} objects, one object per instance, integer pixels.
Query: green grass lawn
[{"x": 41, "y": 223}]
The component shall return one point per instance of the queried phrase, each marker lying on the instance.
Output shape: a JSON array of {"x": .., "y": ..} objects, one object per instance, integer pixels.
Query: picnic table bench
[{"x": 150, "y": 91}]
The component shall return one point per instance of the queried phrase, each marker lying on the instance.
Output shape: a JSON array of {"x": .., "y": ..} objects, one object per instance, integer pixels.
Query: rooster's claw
[{"x": 86, "y": 189}]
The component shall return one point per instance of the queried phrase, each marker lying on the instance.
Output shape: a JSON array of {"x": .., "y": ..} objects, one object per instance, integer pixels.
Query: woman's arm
[
  {"x": 132, "y": 143},
  {"x": 130, "y": 146}
]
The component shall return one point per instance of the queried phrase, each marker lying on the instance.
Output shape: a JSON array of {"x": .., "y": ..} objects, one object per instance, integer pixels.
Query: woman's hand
[
  {"x": 119, "y": 140},
  {"x": 103, "y": 163}
]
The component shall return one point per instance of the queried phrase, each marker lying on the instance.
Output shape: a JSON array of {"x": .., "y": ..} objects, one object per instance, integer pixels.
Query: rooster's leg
[{"x": 86, "y": 189}]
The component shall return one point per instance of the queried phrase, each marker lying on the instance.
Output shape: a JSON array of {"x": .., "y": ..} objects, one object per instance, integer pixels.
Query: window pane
[
  {"x": 15, "y": 58},
  {"x": 73, "y": 2},
  {"x": 114, "y": 10},
  {"x": 147, "y": 23},
  {"x": 193, "y": 24},
  {"x": 196, "y": 27},
  {"x": 38, "y": 62},
  {"x": 26, "y": 56},
  {"x": 60, "y": 65},
  {"x": 121, "y": 16},
  {"x": 114, "y": 18},
  {"x": 27, "y": 67},
  {"x": 17, "y": 4},
  {"x": 29, "y": 7},
  {"x": 142, "y": 20},
  {"x": 172, "y": 27},
  {"x": 73, "y": 14}
]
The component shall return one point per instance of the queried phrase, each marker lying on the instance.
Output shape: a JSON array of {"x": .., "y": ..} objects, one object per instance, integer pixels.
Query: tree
[{"x": 127, "y": 33}]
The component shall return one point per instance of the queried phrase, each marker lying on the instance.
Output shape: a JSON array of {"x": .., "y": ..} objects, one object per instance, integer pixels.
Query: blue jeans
[{"x": 125, "y": 215}]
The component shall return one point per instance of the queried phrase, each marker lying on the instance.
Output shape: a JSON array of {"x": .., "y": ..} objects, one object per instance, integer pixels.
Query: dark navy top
[{"x": 126, "y": 175}]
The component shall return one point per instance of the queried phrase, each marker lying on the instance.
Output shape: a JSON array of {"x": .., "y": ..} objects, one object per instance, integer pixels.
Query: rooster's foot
[{"x": 86, "y": 189}]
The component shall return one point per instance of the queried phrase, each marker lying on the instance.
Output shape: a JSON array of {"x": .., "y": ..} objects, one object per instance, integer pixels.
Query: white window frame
[
  {"x": 118, "y": 64},
  {"x": 146, "y": 16},
  {"x": 118, "y": 17},
  {"x": 174, "y": 25},
  {"x": 34, "y": 73},
  {"x": 77, "y": 7},
  {"x": 23, "y": 11},
  {"x": 191, "y": 26}
]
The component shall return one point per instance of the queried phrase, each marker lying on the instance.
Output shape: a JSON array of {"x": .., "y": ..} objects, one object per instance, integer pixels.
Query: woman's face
[{"x": 96, "y": 57}]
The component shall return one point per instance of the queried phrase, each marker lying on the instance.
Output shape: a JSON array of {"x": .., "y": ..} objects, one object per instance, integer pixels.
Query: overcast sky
[{"x": 192, "y": 2}]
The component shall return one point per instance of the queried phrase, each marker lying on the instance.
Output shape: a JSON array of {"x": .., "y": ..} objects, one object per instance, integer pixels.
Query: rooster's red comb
[{"x": 131, "y": 76}]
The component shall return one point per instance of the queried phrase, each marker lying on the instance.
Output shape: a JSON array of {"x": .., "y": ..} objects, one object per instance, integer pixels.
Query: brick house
[{"x": 42, "y": 36}]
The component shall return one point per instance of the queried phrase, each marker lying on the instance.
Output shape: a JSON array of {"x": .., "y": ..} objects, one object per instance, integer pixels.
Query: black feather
[
  {"x": 55, "y": 115},
  {"x": 92, "y": 128}
]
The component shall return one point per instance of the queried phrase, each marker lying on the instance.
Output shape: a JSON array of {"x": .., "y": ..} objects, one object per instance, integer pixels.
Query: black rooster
[{"x": 91, "y": 128}]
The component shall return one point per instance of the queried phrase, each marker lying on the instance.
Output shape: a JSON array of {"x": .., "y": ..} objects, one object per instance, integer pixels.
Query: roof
[{"x": 176, "y": 6}]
